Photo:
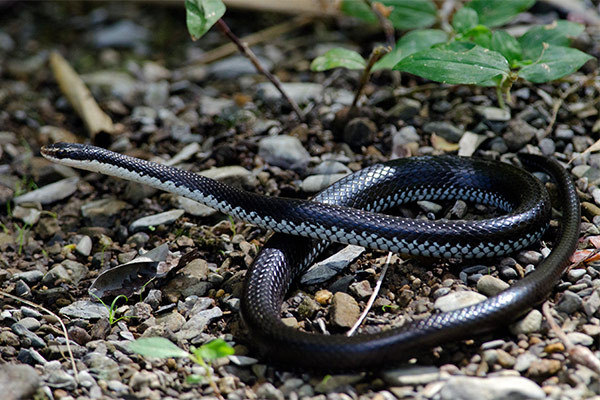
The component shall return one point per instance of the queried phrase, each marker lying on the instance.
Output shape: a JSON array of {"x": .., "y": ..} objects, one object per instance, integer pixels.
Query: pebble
[
  {"x": 103, "y": 212},
  {"x": 564, "y": 133},
  {"x": 411, "y": 375},
  {"x": 491, "y": 286},
  {"x": 164, "y": 218},
  {"x": 518, "y": 134},
  {"x": 493, "y": 113},
  {"x": 50, "y": 193},
  {"x": 444, "y": 129},
  {"x": 84, "y": 246},
  {"x": 359, "y": 132},
  {"x": 344, "y": 310},
  {"x": 531, "y": 323},
  {"x": 547, "y": 146},
  {"x": 591, "y": 304},
  {"x": 576, "y": 274},
  {"x": 283, "y": 151},
  {"x": 405, "y": 109},
  {"x": 31, "y": 277},
  {"x": 197, "y": 323},
  {"x": 84, "y": 309},
  {"x": 121, "y": 34},
  {"x": 235, "y": 66},
  {"x": 529, "y": 257},
  {"x": 491, "y": 388},
  {"x": 28, "y": 215},
  {"x": 580, "y": 338},
  {"x": 102, "y": 366},
  {"x": 569, "y": 302},
  {"x": 361, "y": 289},
  {"x": 407, "y": 134},
  {"x": 269, "y": 392},
  {"x": 456, "y": 300},
  {"x": 337, "y": 381},
  {"x": 18, "y": 381},
  {"x": 316, "y": 183},
  {"x": 68, "y": 271},
  {"x": 331, "y": 266},
  {"x": 543, "y": 368}
]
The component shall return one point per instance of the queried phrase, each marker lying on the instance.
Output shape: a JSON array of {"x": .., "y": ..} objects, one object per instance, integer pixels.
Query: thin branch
[
  {"x": 558, "y": 104},
  {"x": 372, "y": 298},
  {"x": 64, "y": 328},
  {"x": 243, "y": 47},
  {"x": 386, "y": 24},
  {"x": 376, "y": 54}
]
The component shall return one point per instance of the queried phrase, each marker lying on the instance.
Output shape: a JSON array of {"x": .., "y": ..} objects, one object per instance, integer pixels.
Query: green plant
[
  {"x": 232, "y": 226},
  {"x": 470, "y": 52},
  {"x": 112, "y": 309},
  {"x": 203, "y": 355},
  {"x": 22, "y": 234}
]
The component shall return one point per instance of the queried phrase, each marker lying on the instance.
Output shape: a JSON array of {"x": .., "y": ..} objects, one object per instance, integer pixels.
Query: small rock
[
  {"x": 456, "y": 300},
  {"x": 518, "y": 134},
  {"x": 79, "y": 335},
  {"x": 164, "y": 218},
  {"x": 283, "y": 151},
  {"x": 103, "y": 212},
  {"x": 316, "y": 183},
  {"x": 493, "y": 113},
  {"x": 344, "y": 310},
  {"x": 411, "y": 375},
  {"x": 361, "y": 289},
  {"x": 122, "y": 34},
  {"x": 28, "y": 215},
  {"x": 580, "y": 338},
  {"x": 491, "y": 286},
  {"x": 84, "y": 309},
  {"x": 491, "y": 388},
  {"x": 429, "y": 206},
  {"x": 505, "y": 359},
  {"x": 530, "y": 257},
  {"x": 569, "y": 302},
  {"x": 30, "y": 277},
  {"x": 337, "y": 381},
  {"x": 544, "y": 368},
  {"x": 359, "y": 132},
  {"x": 407, "y": 134},
  {"x": 269, "y": 392},
  {"x": 524, "y": 361},
  {"x": 592, "y": 303},
  {"x": 235, "y": 66},
  {"x": 326, "y": 269},
  {"x": 101, "y": 366},
  {"x": 198, "y": 322},
  {"x": 405, "y": 109},
  {"x": 576, "y": 274},
  {"x": 547, "y": 146},
  {"x": 444, "y": 129},
  {"x": 18, "y": 381},
  {"x": 84, "y": 246},
  {"x": 531, "y": 323},
  {"x": 50, "y": 193},
  {"x": 68, "y": 271},
  {"x": 323, "y": 296}
]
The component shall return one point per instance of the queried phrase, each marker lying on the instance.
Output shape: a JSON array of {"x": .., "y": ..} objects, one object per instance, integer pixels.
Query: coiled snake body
[{"x": 334, "y": 215}]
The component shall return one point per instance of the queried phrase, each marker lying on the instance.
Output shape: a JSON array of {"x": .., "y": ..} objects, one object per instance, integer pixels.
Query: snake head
[{"x": 61, "y": 151}]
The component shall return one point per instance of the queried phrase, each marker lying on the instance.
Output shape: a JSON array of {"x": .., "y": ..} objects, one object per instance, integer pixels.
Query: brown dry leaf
[{"x": 79, "y": 96}]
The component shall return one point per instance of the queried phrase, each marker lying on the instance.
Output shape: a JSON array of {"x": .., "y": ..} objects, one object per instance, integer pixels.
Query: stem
[
  {"x": 500, "y": 96},
  {"x": 209, "y": 376},
  {"x": 243, "y": 47},
  {"x": 386, "y": 24},
  {"x": 376, "y": 54}
]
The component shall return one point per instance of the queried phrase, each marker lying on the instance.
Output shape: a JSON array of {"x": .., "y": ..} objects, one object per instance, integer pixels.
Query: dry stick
[
  {"x": 372, "y": 298},
  {"x": 255, "y": 38},
  {"x": 558, "y": 104},
  {"x": 386, "y": 24},
  {"x": 376, "y": 54},
  {"x": 64, "y": 328},
  {"x": 252, "y": 57},
  {"x": 578, "y": 354}
]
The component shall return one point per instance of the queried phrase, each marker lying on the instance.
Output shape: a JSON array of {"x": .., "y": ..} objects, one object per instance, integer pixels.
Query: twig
[
  {"x": 243, "y": 47},
  {"x": 376, "y": 54},
  {"x": 372, "y": 298},
  {"x": 253, "y": 39},
  {"x": 558, "y": 104},
  {"x": 64, "y": 328},
  {"x": 578, "y": 354},
  {"x": 386, "y": 24}
]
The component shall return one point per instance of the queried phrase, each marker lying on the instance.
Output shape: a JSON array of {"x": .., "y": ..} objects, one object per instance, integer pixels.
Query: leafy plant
[
  {"x": 22, "y": 234},
  {"x": 112, "y": 309},
  {"x": 203, "y": 355},
  {"x": 471, "y": 53}
]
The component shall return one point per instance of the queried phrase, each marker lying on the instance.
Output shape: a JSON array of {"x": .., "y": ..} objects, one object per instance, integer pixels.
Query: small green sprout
[{"x": 112, "y": 309}]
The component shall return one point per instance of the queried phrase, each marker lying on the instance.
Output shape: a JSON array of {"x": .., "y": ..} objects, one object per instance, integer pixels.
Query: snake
[{"x": 350, "y": 211}]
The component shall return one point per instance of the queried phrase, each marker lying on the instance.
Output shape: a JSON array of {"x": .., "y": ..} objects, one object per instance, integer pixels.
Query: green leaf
[
  {"x": 473, "y": 66},
  {"x": 157, "y": 347},
  {"x": 214, "y": 349},
  {"x": 338, "y": 57},
  {"x": 201, "y": 15},
  {"x": 195, "y": 379},
  {"x": 479, "y": 34},
  {"x": 497, "y": 12},
  {"x": 411, "y": 43},
  {"x": 558, "y": 33},
  {"x": 554, "y": 63},
  {"x": 508, "y": 46},
  {"x": 464, "y": 19},
  {"x": 406, "y": 14}
]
